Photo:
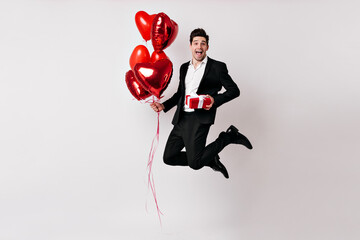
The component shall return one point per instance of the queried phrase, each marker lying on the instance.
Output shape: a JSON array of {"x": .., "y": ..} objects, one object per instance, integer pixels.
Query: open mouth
[{"x": 198, "y": 52}]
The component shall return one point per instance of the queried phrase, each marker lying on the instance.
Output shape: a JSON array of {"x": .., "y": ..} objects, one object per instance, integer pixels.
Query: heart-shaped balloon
[
  {"x": 163, "y": 32},
  {"x": 135, "y": 87},
  {"x": 143, "y": 22},
  {"x": 156, "y": 56},
  {"x": 154, "y": 77},
  {"x": 140, "y": 54}
]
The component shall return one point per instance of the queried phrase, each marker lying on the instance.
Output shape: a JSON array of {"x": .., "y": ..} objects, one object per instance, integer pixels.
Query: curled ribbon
[{"x": 151, "y": 182}]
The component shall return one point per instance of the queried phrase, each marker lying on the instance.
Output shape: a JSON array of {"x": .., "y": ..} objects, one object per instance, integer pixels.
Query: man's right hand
[{"x": 157, "y": 107}]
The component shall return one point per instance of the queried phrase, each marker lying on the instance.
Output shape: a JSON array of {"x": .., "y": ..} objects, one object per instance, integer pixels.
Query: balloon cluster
[{"x": 150, "y": 75}]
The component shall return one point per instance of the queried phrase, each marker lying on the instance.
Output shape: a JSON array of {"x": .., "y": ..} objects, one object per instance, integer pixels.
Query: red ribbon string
[{"x": 151, "y": 182}]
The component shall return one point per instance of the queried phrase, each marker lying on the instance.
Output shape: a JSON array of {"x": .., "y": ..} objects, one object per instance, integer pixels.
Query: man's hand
[
  {"x": 207, "y": 107},
  {"x": 157, "y": 107}
]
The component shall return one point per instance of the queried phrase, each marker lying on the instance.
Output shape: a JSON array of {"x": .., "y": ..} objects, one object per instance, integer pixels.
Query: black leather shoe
[
  {"x": 237, "y": 137},
  {"x": 216, "y": 165}
]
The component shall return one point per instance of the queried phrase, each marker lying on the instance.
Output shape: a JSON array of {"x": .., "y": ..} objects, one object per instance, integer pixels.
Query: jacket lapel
[{"x": 207, "y": 69}]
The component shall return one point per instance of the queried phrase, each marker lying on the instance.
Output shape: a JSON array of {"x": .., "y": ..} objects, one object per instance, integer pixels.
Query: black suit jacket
[{"x": 215, "y": 77}]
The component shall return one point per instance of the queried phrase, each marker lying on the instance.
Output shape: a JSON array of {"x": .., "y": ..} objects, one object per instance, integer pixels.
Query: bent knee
[
  {"x": 195, "y": 166},
  {"x": 169, "y": 160}
]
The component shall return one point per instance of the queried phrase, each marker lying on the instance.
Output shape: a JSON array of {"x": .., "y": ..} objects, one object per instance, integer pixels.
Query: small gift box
[{"x": 197, "y": 101}]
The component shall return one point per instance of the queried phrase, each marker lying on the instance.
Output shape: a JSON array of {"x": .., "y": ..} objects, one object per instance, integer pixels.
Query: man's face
[{"x": 198, "y": 48}]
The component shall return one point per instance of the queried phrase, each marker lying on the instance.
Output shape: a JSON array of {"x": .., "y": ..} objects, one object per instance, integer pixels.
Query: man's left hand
[{"x": 207, "y": 107}]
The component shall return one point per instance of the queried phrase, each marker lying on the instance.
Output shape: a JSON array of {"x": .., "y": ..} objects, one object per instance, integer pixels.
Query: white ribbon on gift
[{"x": 201, "y": 101}]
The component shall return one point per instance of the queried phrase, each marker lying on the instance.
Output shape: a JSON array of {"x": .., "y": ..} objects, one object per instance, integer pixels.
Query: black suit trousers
[{"x": 191, "y": 134}]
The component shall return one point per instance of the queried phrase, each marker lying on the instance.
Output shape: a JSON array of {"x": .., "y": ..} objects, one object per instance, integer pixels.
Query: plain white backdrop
[{"x": 74, "y": 143}]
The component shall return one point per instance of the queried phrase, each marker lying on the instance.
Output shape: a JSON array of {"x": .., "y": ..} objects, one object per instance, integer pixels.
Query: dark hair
[{"x": 199, "y": 32}]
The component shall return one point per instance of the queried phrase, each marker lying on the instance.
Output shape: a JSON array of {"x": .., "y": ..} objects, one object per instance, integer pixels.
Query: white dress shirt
[{"x": 192, "y": 80}]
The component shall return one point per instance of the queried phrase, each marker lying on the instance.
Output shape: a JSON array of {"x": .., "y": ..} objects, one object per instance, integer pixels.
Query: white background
[{"x": 74, "y": 143}]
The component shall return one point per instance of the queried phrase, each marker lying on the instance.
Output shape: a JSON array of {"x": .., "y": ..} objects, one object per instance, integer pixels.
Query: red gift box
[{"x": 197, "y": 101}]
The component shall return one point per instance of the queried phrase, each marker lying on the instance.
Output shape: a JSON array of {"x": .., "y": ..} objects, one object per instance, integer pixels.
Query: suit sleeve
[
  {"x": 232, "y": 90},
  {"x": 173, "y": 101}
]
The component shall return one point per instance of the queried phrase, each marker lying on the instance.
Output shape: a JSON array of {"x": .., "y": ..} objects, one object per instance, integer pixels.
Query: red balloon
[
  {"x": 156, "y": 56},
  {"x": 154, "y": 77},
  {"x": 135, "y": 87},
  {"x": 143, "y": 22},
  {"x": 140, "y": 54},
  {"x": 163, "y": 32}
]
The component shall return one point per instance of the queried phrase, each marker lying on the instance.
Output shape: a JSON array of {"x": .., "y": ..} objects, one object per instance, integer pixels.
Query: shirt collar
[{"x": 204, "y": 61}]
